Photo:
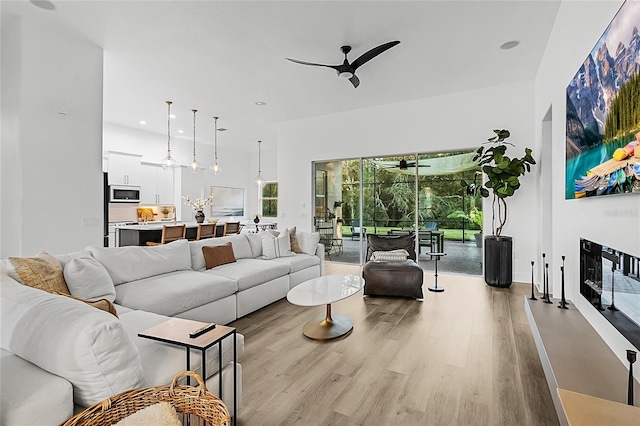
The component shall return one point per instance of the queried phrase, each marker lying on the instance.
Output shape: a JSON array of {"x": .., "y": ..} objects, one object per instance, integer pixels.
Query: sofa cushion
[
  {"x": 133, "y": 263},
  {"x": 88, "y": 279},
  {"x": 240, "y": 244},
  {"x": 308, "y": 241},
  {"x": 251, "y": 272},
  {"x": 161, "y": 361},
  {"x": 276, "y": 246},
  {"x": 298, "y": 262},
  {"x": 175, "y": 292},
  {"x": 88, "y": 347},
  {"x": 43, "y": 272},
  {"x": 218, "y": 255},
  {"x": 30, "y": 395}
]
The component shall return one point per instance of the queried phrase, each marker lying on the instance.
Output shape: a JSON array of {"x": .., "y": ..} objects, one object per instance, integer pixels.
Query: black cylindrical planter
[{"x": 498, "y": 261}]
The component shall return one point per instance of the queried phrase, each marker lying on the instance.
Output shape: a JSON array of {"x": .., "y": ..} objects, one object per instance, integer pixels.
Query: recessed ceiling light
[
  {"x": 509, "y": 45},
  {"x": 143, "y": 122},
  {"x": 172, "y": 116},
  {"x": 43, "y": 4},
  {"x": 181, "y": 131},
  {"x": 260, "y": 103}
]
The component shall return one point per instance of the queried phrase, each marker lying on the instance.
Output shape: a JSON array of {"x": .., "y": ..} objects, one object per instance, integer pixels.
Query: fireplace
[{"x": 610, "y": 281}]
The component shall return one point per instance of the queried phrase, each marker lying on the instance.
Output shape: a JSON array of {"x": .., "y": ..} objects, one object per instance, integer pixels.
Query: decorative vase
[
  {"x": 256, "y": 220},
  {"x": 199, "y": 216},
  {"x": 498, "y": 260}
]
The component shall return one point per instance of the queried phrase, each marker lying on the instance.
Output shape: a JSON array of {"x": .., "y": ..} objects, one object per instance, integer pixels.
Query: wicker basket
[{"x": 195, "y": 405}]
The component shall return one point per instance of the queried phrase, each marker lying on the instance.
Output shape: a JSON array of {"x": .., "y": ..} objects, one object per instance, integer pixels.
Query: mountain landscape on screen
[{"x": 603, "y": 112}]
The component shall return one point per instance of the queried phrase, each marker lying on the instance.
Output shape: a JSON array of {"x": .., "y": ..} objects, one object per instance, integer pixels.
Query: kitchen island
[{"x": 138, "y": 235}]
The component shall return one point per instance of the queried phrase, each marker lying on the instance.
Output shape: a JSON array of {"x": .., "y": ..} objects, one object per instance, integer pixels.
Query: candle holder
[
  {"x": 533, "y": 297},
  {"x": 613, "y": 307},
  {"x": 631, "y": 357},
  {"x": 563, "y": 302},
  {"x": 547, "y": 298}
]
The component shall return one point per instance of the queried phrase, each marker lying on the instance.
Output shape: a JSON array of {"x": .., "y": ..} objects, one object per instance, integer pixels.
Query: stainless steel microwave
[{"x": 124, "y": 194}]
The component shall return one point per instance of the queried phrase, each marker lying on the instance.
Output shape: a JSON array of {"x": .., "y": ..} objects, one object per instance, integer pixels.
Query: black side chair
[{"x": 401, "y": 279}]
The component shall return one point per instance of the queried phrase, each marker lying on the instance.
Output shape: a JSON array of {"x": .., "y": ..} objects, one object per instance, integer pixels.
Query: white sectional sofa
[{"x": 59, "y": 355}]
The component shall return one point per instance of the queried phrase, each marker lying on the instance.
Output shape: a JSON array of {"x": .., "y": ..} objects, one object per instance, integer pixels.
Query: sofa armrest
[{"x": 320, "y": 254}]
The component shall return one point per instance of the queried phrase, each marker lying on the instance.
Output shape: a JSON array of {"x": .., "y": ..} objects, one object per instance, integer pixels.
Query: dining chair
[
  {"x": 170, "y": 233},
  {"x": 231, "y": 228},
  {"x": 206, "y": 230}
]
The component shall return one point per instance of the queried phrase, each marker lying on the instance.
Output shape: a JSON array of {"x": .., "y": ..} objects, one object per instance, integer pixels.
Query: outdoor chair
[
  {"x": 392, "y": 278},
  {"x": 355, "y": 229},
  {"x": 327, "y": 237}
]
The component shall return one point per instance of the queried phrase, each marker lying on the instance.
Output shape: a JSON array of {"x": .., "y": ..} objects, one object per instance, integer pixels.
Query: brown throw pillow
[
  {"x": 102, "y": 304},
  {"x": 293, "y": 238},
  {"x": 43, "y": 272},
  {"x": 218, "y": 255}
]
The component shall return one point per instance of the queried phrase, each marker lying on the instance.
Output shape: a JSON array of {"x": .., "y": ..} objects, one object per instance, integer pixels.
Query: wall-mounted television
[{"x": 610, "y": 281}]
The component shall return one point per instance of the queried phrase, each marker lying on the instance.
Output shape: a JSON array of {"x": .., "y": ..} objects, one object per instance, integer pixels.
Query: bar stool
[{"x": 437, "y": 256}]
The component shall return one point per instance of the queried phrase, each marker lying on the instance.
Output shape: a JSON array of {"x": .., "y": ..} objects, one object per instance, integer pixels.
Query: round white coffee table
[{"x": 325, "y": 291}]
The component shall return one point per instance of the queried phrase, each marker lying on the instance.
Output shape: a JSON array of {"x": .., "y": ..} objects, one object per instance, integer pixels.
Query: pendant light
[
  {"x": 259, "y": 179},
  {"x": 215, "y": 167},
  {"x": 194, "y": 166},
  {"x": 168, "y": 163}
]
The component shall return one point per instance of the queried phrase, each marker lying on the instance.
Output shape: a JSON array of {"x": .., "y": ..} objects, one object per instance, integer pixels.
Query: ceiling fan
[
  {"x": 348, "y": 70},
  {"x": 404, "y": 165}
]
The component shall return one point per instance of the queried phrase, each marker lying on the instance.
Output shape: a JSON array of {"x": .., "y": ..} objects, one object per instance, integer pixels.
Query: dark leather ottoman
[{"x": 392, "y": 278}]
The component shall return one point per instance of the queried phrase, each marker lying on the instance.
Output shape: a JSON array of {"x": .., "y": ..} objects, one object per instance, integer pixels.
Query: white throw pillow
[
  {"x": 87, "y": 279},
  {"x": 273, "y": 247},
  {"x": 399, "y": 255},
  {"x": 88, "y": 347},
  {"x": 308, "y": 241},
  {"x": 255, "y": 241}
]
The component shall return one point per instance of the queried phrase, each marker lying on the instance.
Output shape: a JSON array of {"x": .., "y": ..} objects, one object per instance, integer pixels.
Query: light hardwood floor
[{"x": 462, "y": 357}]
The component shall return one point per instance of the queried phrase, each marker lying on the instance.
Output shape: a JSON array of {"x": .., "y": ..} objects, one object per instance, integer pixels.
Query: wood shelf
[{"x": 574, "y": 356}]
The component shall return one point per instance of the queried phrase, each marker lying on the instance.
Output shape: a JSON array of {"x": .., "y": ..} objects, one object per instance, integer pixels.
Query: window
[{"x": 269, "y": 199}]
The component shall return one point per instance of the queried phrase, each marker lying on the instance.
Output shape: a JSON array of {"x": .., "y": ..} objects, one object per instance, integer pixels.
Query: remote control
[{"x": 202, "y": 330}]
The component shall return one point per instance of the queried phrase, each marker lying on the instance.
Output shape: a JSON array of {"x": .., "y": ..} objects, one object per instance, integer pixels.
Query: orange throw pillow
[
  {"x": 43, "y": 272},
  {"x": 218, "y": 255}
]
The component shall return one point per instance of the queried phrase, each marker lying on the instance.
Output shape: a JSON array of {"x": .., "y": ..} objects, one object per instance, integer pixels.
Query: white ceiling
[{"x": 220, "y": 57}]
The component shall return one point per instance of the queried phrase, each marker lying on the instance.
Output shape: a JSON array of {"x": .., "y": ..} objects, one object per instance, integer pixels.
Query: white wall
[
  {"x": 451, "y": 122},
  {"x": 609, "y": 220},
  {"x": 51, "y": 136}
]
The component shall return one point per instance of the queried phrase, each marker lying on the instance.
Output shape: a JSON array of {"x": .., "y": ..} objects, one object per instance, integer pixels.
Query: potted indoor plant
[
  {"x": 502, "y": 181},
  {"x": 474, "y": 216}
]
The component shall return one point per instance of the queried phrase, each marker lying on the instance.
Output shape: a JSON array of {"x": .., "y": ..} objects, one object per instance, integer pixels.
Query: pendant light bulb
[
  {"x": 259, "y": 179},
  {"x": 194, "y": 166},
  {"x": 215, "y": 167},
  {"x": 168, "y": 163}
]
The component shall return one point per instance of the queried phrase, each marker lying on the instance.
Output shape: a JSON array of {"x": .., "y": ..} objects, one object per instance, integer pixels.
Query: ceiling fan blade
[
  {"x": 355, "y": 81},
  {"x": 335, "y": 67},
  {"x": 367, "y": 56}
]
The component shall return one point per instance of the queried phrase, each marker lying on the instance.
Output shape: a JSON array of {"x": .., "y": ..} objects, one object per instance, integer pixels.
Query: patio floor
[{"x": 461, "y": 258}]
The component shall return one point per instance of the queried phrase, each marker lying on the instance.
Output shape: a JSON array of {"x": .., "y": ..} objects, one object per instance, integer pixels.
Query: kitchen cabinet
[
  {"x": 156, "y": 185},
  {"x": 124, "y": 169}
]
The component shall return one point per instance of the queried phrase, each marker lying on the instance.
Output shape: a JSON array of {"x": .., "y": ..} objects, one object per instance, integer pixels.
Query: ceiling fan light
[{"x": 345, "y": 74}]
